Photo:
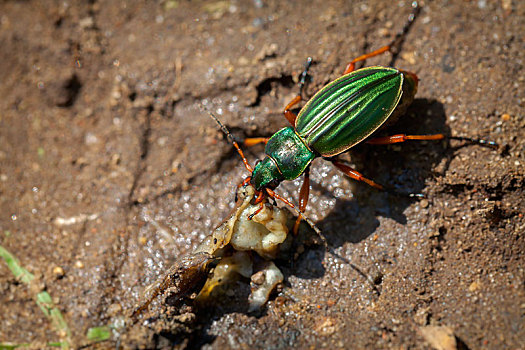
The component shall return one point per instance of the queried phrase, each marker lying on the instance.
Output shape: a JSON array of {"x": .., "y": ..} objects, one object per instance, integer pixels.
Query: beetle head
[{"x": 266, "y": 174}]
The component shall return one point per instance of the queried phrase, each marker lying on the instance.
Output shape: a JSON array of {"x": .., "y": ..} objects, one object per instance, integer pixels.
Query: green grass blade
[
  {"x": 97, "y": 334},
  {"x": 14, "y": 265},
  {"x": 9, "y": 346},
  {"x": 43, "y": 300}
]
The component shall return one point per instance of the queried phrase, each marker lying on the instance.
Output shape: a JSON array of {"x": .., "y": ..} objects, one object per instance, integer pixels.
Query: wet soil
[{"x": 110, "y": 172}]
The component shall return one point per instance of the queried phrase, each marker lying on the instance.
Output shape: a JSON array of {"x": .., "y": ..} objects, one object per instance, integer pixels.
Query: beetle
[{"x": 343, "y": 113}]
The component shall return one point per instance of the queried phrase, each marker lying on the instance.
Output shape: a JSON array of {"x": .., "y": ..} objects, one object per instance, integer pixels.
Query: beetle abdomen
[
  {"x": 349, "y": 109},
  {"x": 410, "y": 84}
]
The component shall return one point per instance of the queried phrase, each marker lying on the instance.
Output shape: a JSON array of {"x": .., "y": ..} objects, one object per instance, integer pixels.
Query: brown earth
[{"x": 110, "y": 172}]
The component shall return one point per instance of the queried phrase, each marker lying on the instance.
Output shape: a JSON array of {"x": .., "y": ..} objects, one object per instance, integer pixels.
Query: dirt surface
[{"x": 110, "y": 171}]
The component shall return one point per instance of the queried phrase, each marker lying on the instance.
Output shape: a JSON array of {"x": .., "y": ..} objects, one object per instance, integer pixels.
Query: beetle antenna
[{"x": 230, "y": 137}]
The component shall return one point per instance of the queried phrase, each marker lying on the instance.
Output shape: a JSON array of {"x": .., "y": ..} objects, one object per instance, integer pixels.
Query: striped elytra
[{"x": 349, "y": 109}]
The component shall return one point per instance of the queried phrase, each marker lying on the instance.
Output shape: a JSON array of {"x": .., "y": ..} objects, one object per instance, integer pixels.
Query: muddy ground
[{"x": 110, "y": 171}]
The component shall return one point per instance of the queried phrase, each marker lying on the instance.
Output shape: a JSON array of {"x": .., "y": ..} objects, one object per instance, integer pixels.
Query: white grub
[
  {"x": 228, "y": 252},
  {"x": 72, "y": 220},
  {"x": 263, "y": 234},
  {"x": 226, "y": 273},
  {"x": 263, "y": 283}
]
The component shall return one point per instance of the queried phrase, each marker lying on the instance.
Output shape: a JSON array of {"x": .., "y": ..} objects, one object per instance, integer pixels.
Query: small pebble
[
  {"x": 505, "y": 117},
  {"x": 439, "y": 337},
  {"x": 58, "y": 272},
  {"x": 474, "y": 286},
  {"x": 79, "y": 264},
  {"x": 258, "y": 278},
  {"x": 114, "y": 309}
]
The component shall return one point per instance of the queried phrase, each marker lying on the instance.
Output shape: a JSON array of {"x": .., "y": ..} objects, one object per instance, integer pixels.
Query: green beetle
[{"x": 340, "y": 115}]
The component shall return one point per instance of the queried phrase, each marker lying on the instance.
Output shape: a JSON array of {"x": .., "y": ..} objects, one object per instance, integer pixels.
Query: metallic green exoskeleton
[{"x": 339, "y": 116}]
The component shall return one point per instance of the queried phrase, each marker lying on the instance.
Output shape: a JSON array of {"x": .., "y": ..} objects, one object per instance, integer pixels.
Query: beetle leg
[
  {"x": 274, "y": 195},
  {"x": 288, "y": 114},
  {"x": 394, "y": 44},
  {"x": 355, "y": 174},
  {"x": 252, "y": 141},
  {"x": 261, "y": 206},
  {"x": 245, "y": 182},
  {"x": 350, "y": 67},
  {"x": 260, "y": 197},
  {"x": 402, "y": 138},
  {"x": 303, "y": 199},
  {"x": 305, "y": 190},
  {"x": 259, "y": 200}
]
